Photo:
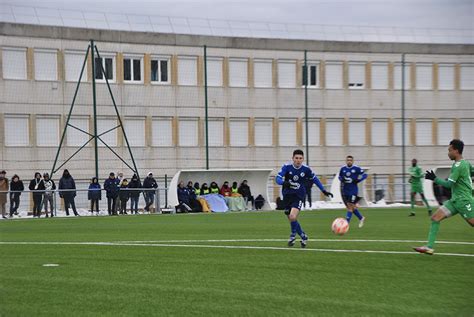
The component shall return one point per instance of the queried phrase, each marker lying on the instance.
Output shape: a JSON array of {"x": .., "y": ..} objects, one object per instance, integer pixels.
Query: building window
[
  {"x": 446, "y": 77},
  {"x": 466, "y": 131},
  {"x": 313, "y": 135},
  {"x": 424, "y": 134},
  {"x": 310, "y": 75},
  {"x": 188, "y": 132},
  {"x": 263, "y": 132},
  {"x": 397, "y": 76},
  {"x": 467, "y": 76},
  {"x": 333, "y": 75},
  {"x": 424, "y": 76},
  {"x": 397, "y": 132},
  {"x": 216, "y": 132},
  {"x": 187, "y": 68},
  {"x": 107, "y": 64},
  {"x": 239, "y": 132},
  {"x": 262, "y": 70},
  {"x": 379, "y": 132},
  {"x": 445, "y": 132},
  {"x": 162, "y": 132},
  {"x": 46, "y": 64},
  {"x": 74, "y": 136},
  {"x": 238, "y": 73},
  {"x": 16, "y": 130},
  {"x": 73, "y": 65},
  {"x": 356, "y": 132},
  {"x": 160, "y": 70},
  {"x": 110, "y": 125},
  {"x": 356, "y": 75},
  {"x": 14, "y": 63},
  {"x": 287, "y": 132},
  {"x": 379, "y": 75},
  {"x": 214, "y": 71},
  {"x": 286, "y": 74},
  {"x": 47, "y": 131},
  {"x": 135, "y": 129},
  {"x": 132, "y": 69},
  {"x": 334, "y": 130}
]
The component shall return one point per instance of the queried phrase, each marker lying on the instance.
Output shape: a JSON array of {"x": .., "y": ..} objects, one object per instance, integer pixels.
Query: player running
[
  {"x": 293, "y": 178},
  {"x": 350, "y": 175},
  {"x": 461, "y": 201},
  {"x": 416, "y": 178}
]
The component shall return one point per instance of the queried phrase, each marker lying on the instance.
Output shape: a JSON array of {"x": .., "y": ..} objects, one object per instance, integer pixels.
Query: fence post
[{"x": 157, "y": 200}]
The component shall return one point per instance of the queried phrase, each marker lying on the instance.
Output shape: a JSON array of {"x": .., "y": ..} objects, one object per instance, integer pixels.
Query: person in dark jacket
[
  {"x": 149, "y": 186},
  {"x": 16, "y": 187},
  {"x": 244, "y": 190},
  {"x": 183, "y": 198},
  {"x": 37, "y": 187},
  {"x": 94, "y": 194},
  {"x": 193, "y": 202},
  {"x": 3, "y": 193},
  {"x": 259, "y": 202},
  {"x": 124, "y": 195},
  {"x": 112, "y": 187},
  {"x": 135, "y": 187},
  {"x": 67, "y": 190},
  {"x": 48, "y": 197}
]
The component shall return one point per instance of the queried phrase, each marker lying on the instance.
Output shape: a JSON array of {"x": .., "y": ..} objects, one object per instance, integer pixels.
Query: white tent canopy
[{"x": 257, "y": 180}]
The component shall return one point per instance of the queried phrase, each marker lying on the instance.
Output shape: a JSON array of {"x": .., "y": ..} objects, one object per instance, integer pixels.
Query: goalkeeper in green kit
[
  {"x": 416, "y": 179},
  {"x": 461, "y": 201}
]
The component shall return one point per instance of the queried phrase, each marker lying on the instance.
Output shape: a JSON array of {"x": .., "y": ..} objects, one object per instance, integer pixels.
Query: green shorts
[
  {"x": 463, "y": 207},
  {"x": 417, "y": 188}
]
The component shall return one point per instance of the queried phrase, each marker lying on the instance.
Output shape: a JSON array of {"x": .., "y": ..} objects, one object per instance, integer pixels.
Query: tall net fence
[{"x": 196, "y": 107}]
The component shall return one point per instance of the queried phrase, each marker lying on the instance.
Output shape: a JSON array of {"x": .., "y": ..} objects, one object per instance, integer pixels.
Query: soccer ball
[{"x": 340, "y": 226}]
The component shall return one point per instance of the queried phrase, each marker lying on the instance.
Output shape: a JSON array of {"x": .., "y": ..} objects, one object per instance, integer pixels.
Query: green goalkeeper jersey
[
  {"x": 460, "y": 176},
  {"x": 416, "y": 174}
]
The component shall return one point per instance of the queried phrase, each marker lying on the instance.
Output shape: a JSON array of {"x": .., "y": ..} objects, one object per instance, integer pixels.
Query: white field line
[
  {"x": 284, "y": 240},
  {"x": 230, "y": 247}
]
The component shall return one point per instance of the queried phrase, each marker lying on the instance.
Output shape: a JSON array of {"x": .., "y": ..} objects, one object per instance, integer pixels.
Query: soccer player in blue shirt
[
  {"x": 350, "y": 175},
  {"x": 293, "y": 178}
]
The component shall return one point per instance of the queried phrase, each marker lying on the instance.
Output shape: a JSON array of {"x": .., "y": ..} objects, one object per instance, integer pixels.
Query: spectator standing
[
  {"x": 16, "y": 187},
  {"x": 135, "y": 187},
  {"x": 112, "y": 187},
  {"x": 120, "y": 178},
  {"x": 94, "y": 194},
  {"x": 308, "y": 185},
  {"x": 37, "y": 187},
  {"x": 149, "y": 186},
  {"x": 124, "y": 195},
  {"x": 3, "y": 193},
  {"x": 48, "y": 196},
  {"x": 67, "y": 191}
]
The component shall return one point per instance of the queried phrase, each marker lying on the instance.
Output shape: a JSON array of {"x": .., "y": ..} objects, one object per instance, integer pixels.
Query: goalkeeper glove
[
  {"x": 328, "y": 194},
  {"x": 430, "y": 175}
]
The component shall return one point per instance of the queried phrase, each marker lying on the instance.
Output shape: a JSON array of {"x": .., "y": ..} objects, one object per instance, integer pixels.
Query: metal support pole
[
  {"x": 206, "y": 107},
  {"x": 403, "y": 128},
  {"x": 305, "y": 75},
  {"x": 94, "y": 106}
]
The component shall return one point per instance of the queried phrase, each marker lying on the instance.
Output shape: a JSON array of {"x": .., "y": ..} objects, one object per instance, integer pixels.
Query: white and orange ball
[{"x": 340, "y": 226}]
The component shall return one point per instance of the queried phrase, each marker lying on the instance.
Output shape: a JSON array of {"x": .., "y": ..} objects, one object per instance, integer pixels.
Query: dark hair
[
  {"x": 457, "y": 145},
  {"x": 349, "y": 156},
  {"x": 298, "y": 152}
]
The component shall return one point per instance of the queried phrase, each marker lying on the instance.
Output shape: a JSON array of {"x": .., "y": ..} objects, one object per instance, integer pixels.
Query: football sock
[
  {"x": 349, "y": 216},
  {"x": 412, "y": 203},
  {"x": 426, "y": 203},
  {"x": 294, "y": 226},
  {"x": 299, "y": 230},
  {"x": 357, "y": 213},
  {"x": 433, "y": 232}
]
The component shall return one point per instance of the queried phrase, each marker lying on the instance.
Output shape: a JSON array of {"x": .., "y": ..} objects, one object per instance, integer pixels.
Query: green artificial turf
[{"x": 160, "y": 269}]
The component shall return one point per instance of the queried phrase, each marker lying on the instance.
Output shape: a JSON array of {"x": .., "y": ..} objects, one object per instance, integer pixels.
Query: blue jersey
[
  {"x": 349, "y": 177},
  {"x": 298, "y": 178}
]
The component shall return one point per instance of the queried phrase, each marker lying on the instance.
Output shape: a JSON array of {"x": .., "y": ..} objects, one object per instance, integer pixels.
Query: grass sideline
[{"x": 150, "y": 279}]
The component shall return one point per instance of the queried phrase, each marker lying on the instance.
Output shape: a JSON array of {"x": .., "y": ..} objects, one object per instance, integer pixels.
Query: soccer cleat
[
  {"x": 291, "y": 241},
  {"x": 424, "y": 249},
  {"x": 304, "y": 240},
  {"x": 361, "y": 222},
  {"x": 412, "y": 214}
]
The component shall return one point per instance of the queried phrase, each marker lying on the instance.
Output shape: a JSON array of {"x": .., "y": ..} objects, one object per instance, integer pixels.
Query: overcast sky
[{"x": 402, "y": 13}]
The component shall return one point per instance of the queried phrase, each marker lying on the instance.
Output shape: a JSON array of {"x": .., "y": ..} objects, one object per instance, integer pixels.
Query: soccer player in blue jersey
[
  {"x": 350, "y": 175},
  {"x": 293, "y": 178}
]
